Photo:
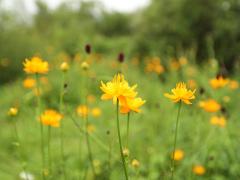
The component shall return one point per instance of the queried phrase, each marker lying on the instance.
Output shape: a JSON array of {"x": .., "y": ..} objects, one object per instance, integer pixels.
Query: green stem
[
  {"x": 120, "y": 143},
  {"x": 49, "y": 150},
  {"x": 61, "y": 127},
  {"x": 19, "y": 146},
  {"x": 175, "y": 141},
  {"x": 128, "y": 123},
  {"x": 41, "y": 125},
  {"x": 90, "y": 156}
]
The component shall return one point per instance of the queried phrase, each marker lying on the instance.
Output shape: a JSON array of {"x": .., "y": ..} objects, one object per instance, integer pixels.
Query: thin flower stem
[
  {"x": 61, "y": 103},
  {"x": 120, "y": 143},
  {"x": 41, "y": 125},
  {"x": 128, "y": 123},
  {"x": 175, "y": 140},
  {"x": 90, "y": 156},
  {"x": 19, "y": 146},
  {"x": 49, "y": 150}
]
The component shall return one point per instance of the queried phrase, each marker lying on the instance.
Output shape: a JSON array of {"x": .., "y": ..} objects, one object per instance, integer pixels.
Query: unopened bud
[
  {"x": 85, "y": 66},
  {"x": 64, "y": 67},
  {"x": 121, "y": 57},
  {"x": 88, "y": 48},
  {"x": 12, "y": 111}
]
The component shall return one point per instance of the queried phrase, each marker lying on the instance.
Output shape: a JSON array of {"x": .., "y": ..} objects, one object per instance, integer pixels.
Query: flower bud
[
  {"x": 12, "y": 111},
  {"x": 64, "y": 67},
  {"x": 88, "y": 48},
  {"x": 85, "y": 66},
  {"x": 125, "y": 152},
  {"x": 135, "y": 163},
  {"x": 121, "y": 57}
]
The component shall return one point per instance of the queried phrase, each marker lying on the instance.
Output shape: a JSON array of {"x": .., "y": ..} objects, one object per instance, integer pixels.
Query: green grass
[{"x": 151, "y": 131}]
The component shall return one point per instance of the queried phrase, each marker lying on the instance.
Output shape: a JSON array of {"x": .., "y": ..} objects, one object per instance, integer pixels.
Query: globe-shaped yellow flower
[
  {"x": 29, "y": 83},
  {"x": 178, "y": 155},
  {"x": 131, "y": 104},
  {"x": 51, "y": 118},
  {"x": 35, "y": 66},
  {"x": 181, "y": 93},
  {"x": 199, "y": 170},
  {"x": 117, "y": 89}
]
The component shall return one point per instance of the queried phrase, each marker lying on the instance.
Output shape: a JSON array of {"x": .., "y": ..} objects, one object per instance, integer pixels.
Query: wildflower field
[{"x": 93, "y": 114}]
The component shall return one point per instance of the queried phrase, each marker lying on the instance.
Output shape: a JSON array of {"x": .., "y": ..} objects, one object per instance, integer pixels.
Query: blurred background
[{"x": 199, "y": 29}]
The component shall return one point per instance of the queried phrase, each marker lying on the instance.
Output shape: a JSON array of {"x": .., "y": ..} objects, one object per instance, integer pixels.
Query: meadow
[{"x": 207, "y": 142}]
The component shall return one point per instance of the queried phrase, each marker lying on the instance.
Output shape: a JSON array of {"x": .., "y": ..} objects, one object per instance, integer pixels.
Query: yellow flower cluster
[
  {"x": 154, "y": 65},
  {"x": 51, "y": 118},
  {"x": 35, "y": 66},
  {"x": 181, "y": 93},
  {"x": 218, "y": 121},
  {"x": 119, "y": 90},
  {"x": 83, "y": 110}
]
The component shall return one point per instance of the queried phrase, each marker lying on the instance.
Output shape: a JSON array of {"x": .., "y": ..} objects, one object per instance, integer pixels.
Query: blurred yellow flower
[
  {"x": 218, "y": 121},
  {"x": 135, "y": 163},
  {"x": 174, "y": 64},
  {"x": 91, "y": 98},
  {"x": 210, "y": 105},
  {"x": 178, "y": 155},
  {"x": 181, "y": 93},
  {"x": 91, "y": 128},
  {"x": 85, "y": 65},
  {"x": 192, "y": 84},
  {"x": 218, "y": 82},
  {"x": 154, "y": 65},
  {"x": 226, "y": 99},
  {"x": 131, "y": 104},
  {"x": 51, "y": 118},
  {"x": 117, "y": 89},
  {"x": 233, "y": 84},
  {"x": 64, "y": 67},
  {"x": 13, "y": 111},
  {"x": 183, "y": 60},
  {"x": 199, "y": 170},
  {"x": 82, "y": 110},
  {"x": 29, "y": 83},
  {"x": 35, "y": 65},
  {"x": 126, "y": 152},
  {"x": 96, "y": 112}
]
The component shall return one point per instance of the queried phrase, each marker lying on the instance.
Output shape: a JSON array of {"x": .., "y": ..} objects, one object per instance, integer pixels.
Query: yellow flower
[
  {"x": 51, "y": 118},
  {"x": 35, "y": 65},
  {"x": 218, "y": 121},
  {"x": 64, "y": 67},
  {"x": 126, "y": 152},
  {"x": 131, "y": 104},
  {"x": 210, "y": 105},
  {"x": 135, "y": 163},
  {"x": 91, "y": 98},
  {"x": 29, "y": 83},
  {"x": 12, "y": 111},
  {"x": 82, "y": 110},
  {"x": 183, "y": 60},
  {"x": 218, "y": 82},
  {"x": 154, "y": 65},
  {"x": 181, "y": 93},
  {"x": 192, "y": 84},
  {"x": 178, "y": 155},
  {"x": 96, "y": 112},
  {"x": 199, "y": 170},
  {"x": 117, "y": 89},
  {"x": 233, "y": 84},
  {"x": 85, "y": 66}
]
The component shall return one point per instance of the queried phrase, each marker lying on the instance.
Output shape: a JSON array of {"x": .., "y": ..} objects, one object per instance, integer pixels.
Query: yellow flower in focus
[
  {"x": 210, "y": 105},
  {"x": 91, "y": 128},
  {"x": 181, "y": 93},
  {"x": 64, "y": 67},
  {"x": 178, "y": 155},
  {"x": 131, "y": 104},
  {"x": 218, "y": 121},
  {"x": 35, "y": 65},
  {"x": 135, "y": 163},
  {"x": 96, "y": 112},
  {"x": 51, "y": 118},
  {"x": 233, "y": 84},
  {"x": 82, "y": 110},
  {"x": 117, "y": 89},
  {"x": 29, "y": 83},
  {"x": 218, "y": 82},
  {"x": 12, "y": 111},
  {"x": 199, "y": 170}
]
